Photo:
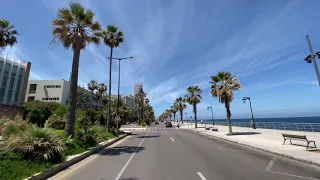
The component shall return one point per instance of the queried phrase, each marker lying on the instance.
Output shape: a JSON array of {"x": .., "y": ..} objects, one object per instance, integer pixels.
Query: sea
[{"x": 282, "y": 120}]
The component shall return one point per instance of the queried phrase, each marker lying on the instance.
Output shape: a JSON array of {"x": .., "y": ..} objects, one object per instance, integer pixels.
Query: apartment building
[
  {"x": 128, "y": 99},
  {"x": 13, "y": 80},
  {"x": 52, "y": 91},
  {"x": 138, "y": 88}
]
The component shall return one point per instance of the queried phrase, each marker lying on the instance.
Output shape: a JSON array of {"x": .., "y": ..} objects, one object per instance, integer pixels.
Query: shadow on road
[
  {"x": 121, "y": 150},
  {"x": 131, "y": 178},
  {"x": 244, "y": 133},
  {"x": 151, "y": 136}
]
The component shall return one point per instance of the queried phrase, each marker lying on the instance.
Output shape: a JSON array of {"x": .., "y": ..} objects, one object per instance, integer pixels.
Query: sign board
[{"x": 117, "y": 118}]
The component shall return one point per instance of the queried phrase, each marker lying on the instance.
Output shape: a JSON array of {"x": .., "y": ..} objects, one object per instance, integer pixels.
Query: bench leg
[
  {"x": 290, "y": 141},
  {"x": 308, "y": 145},
  {"x": 314, "y": 144},
  {"x": 284, "y": 141}
]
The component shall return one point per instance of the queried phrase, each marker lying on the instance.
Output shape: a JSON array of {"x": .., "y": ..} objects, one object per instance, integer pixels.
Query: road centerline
[
  {"x": 201, "y": 176},
  {"x": 127, "y": 163},
  {"x": 171, "y": 139}
]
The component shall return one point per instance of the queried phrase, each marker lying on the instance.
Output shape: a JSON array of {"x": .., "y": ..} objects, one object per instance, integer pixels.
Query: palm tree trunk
[
  {"x": 174, "y": 117},
  {"x": 109, "y": 102},
  {"x": 91, "y": 99},
  {"x": 195, "y": 115},
  {"x": 72, "y": 102},
  {"x": 181, "y": 116},
  {"x": 227, "y": 105}
]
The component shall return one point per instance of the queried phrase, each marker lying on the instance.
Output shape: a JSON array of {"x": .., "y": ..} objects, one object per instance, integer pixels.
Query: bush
[
  {"x": 38, "y": 143},
  {"x": 2, "y": 122},
  {"x": 56, "y": 122},
  {"x": 101, "y": 134},
  {"x": 38, "y": 112},
  {"x": 14, "y": 128}
]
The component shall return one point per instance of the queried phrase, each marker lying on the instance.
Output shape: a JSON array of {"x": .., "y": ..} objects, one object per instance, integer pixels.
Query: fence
[{"x": 310, "y": 127}]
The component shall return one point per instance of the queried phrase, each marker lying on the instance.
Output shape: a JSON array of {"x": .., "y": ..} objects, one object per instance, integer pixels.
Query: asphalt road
[{"x": 175, "y": 154}]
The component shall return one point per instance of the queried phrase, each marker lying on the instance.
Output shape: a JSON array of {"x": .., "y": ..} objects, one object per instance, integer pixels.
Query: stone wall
[{"x": 11, "y": 112}]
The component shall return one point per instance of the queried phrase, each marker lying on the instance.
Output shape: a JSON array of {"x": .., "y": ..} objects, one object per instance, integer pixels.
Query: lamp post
[
  {"x": 210, "y": 107},
  {"x": 311, "y": 58},
  {"x": 244, "y": 101},
  {"x": 119, "y": 59}
]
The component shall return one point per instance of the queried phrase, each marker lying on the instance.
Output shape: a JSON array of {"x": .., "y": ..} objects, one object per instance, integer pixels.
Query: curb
[
  {"x": 64, "y": 165},
  {"x": 261, "y": 149},
  {"x": 134, "y": 129}
]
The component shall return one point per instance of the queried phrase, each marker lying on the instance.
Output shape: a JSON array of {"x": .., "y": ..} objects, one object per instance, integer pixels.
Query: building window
[
  {"x": 16, "y": 97},
  {"x": 53, "y": 86},
  {"x": 1, "y": 94},
  {"x": 9, "y": 96},
  {"x": 30, "y": 98},
  {"x": 11, "y": 83},
  {"x": 21, "y": 72},
  {"x": 4, "y": 81},
  {"x": 32, "y": 88},
  {"x": 18, "y": 84}
]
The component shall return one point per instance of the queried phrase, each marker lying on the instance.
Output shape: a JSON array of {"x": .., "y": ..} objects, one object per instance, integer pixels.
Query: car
[
  {"x": 168, "y": 124},
  {"x": 157, "y": 122}
]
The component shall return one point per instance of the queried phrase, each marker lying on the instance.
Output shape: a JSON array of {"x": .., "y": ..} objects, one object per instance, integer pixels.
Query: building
[
  {"x": 13, "y": 80},
  {"x": 138, "y": 88},
  {"x": 52, "y": 91},
  {"x": 128, "y": 99}
]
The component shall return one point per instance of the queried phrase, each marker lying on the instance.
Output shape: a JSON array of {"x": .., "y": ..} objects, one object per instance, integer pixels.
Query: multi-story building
[
  {"x": 138, "y": 88},
  {"x": 52, "y": 91},
  {"x": 128, "y": 99},
  {"x": 13, "y": 81}
]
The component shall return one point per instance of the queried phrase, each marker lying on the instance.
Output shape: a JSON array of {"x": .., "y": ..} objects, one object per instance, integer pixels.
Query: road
[{"x": 175, "y": 154}]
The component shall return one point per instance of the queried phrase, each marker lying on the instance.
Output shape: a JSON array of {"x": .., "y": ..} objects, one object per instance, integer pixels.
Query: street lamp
[
  {"x": 119, "y": 59},
  {"x": 186, "y": 116},
  {"x": 311, "y": 58},
  {"x": 244, "y": 101},
  {"x": 210, "y": 107}
]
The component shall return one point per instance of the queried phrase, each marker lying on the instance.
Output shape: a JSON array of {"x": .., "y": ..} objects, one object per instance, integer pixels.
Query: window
[
  {"x": 11, "y": 82},
  {"x": 53, "y": 86},
  {"x": 32, "y": 88},
  {"x": 16, "y": 97},
  {"x": 50, "y": 99},
  {"x": 1, "y": 94},
  {"x": 18, "y": 84},
  {"x": 7, "y": 68},
  {"x": 30, "y": 98},
  {"x": 14, "y": 71},
  {"x": 9, "y": 96},
  {"x": 4, "y": 81},
  {"x": 21, "y": 72}
]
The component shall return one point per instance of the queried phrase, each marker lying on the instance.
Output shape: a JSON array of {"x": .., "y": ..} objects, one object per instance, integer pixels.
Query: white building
[
  {"x": 128, "y": 99},
  {"x": 13, "y": 81},
  {"x": 138, "y": 88}
]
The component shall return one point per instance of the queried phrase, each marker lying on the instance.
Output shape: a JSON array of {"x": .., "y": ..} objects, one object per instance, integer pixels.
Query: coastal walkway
[{"x": 267, "y": 140}]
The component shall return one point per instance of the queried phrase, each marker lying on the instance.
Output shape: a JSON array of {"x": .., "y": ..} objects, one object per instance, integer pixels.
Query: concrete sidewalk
[{"x": 268, "y": 140}]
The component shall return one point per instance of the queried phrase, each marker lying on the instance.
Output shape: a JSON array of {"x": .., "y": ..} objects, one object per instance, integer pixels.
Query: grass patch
[
  {"x": 75, "y": 150},
  {"x": 17, "y": 168}
]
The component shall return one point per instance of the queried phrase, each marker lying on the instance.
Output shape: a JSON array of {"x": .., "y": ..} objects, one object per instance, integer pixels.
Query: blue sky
[{"x": 178, "y": 43}]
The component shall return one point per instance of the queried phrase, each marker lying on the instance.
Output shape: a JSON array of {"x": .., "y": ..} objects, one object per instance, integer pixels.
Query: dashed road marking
[
  {"x": 201, "y": 176},
  {"x": 171, "y": 139}
]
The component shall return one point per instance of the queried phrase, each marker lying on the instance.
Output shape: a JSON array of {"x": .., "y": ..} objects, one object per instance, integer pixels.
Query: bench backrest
[{"x": 294, "y": 136}]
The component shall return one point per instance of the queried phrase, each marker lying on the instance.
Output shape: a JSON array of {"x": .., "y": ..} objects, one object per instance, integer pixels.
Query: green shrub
[
  {"x": 59, "y": 133},
  {"x": 14, "y": 128},
  {"x": 38, "y": 143},
  {"x": 2, "y": 122},
  {"x": 56, "y": 122},
  {"x": 38, "y": 112}
]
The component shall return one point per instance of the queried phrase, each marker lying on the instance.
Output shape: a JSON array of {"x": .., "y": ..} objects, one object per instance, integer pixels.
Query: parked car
[
  {"x": 157, "y": 122},
  {"x": 168, "y": 124}
]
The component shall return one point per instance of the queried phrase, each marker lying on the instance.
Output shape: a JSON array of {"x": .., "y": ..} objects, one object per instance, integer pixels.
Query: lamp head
[
  {"x": 244, "y": 100},
  {"x": 318, "y": 54},
  {"x": 308, "y": 59}
]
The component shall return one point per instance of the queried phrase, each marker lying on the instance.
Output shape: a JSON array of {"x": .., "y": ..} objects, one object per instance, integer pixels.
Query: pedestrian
[{"x": 201, "y": 121}]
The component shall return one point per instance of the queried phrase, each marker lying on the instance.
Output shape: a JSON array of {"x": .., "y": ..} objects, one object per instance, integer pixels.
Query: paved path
[{"x": 177, "y": 154}]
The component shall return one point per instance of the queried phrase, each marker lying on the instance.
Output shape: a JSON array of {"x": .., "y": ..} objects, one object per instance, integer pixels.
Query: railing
[{"x": 310, "y": 127}]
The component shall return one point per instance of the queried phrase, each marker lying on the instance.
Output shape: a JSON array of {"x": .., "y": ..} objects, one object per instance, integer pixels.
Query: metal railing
[{"x": 309, "y": 127}]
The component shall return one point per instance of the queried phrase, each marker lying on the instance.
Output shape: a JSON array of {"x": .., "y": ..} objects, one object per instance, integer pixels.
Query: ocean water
[{"x": 282, "y": 120}]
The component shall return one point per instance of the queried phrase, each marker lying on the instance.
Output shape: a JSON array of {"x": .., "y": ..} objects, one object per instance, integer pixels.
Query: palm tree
[
  {"x": 139, "y": 104},
  {"x": 174, "y": 111},
  {"x": 101, "y": 92},
  {"x": 92, "y": 86},
  {"x": 222, "y": 87},
  {"x": 82, "y": 98},
  {"x": 112, "y": 38},
  {"x": 74, "y": 27},
  {"x": 193, "y": 98},
  {"x": 7, "y": 34},
  {"x": 180, "y": 104}
]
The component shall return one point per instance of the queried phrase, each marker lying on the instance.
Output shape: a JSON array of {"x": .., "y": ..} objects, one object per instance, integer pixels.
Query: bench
[
  {"x": 212, "y": 128},
  {"x": 297, "y": 137}
]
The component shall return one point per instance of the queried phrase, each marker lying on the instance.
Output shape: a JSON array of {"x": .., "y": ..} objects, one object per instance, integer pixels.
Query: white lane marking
[
  {"x": 171, "y": 139},
  {"x": 127, "y": 163},
  {"x": 201, "y": 176},
  {"x": 222, "y": 147},
  {"x": 269, "y": 166}
]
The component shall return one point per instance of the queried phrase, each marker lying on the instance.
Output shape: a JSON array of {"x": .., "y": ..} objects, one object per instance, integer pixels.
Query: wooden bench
[{"x": 297, "y": 137}]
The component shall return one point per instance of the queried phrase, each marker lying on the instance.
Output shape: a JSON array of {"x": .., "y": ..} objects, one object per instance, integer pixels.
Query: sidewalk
[{"x": 268, "y": 140}]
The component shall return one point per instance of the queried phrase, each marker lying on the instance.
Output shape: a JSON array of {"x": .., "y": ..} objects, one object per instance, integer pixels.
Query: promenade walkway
[{"x": 267, "y": 140}]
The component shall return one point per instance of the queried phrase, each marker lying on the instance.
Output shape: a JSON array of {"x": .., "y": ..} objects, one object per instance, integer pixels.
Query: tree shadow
[
  {"x": 151, "y": 136},
  {"x": 243, "y": 133},
  {"x": 121, "y": 150}
]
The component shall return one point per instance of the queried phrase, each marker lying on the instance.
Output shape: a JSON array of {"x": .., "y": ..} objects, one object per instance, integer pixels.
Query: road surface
[{"x": 175, "y": 154}]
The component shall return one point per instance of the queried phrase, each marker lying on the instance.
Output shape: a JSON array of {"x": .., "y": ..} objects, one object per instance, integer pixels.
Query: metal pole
[
  {"x": 119, "y": 86},
  {"x": 212, "y": 116},
  {"x": 313, "y": 59},
  {"x": 254, "y": 124}
]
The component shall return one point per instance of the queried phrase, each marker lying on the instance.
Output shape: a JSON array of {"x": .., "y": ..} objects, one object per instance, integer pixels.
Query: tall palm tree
[
  {"x": 101, "y": 92},
  {"x": 92, "y": 86},
  {"x": 74, "y": 27},
  {"x": 222, "y": 87},
  {"x": 139, "y": 104},
  {"x": 180, "y": 104},
  {"x": 174, "y": 111},
  {"x": 193, "y": 98},
  {"x": 112, "y": 38},
  {"x": 7, "y": 34},
  {"x": 82, "y": 98}
]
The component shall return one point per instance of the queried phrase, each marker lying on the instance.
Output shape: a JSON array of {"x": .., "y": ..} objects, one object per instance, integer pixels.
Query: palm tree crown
[
  {"x": 180, "y": 104},
  {"x": 112, "y": 37},
  {"x": 7, "y": 34},
  {"x": 73, "y": 22}
]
